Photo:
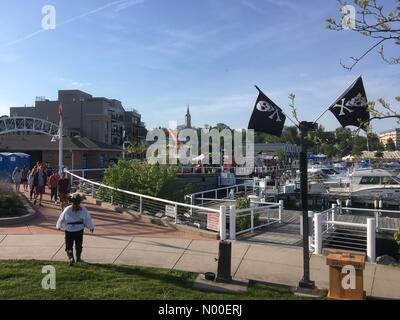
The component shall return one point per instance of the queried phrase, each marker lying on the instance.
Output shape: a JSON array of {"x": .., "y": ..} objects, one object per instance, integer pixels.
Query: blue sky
[{"x": 158, "y": 56}]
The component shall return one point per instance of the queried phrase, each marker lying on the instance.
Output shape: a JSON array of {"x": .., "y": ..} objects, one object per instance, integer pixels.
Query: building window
[
  {"x": 102, "y": 161},
  {"x": 84, "y": 161}
]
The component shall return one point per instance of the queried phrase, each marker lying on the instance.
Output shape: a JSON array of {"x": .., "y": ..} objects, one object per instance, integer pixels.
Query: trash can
[{"x": 346, "y": 276}]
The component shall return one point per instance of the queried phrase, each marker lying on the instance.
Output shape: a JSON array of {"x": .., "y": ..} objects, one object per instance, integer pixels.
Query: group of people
[
  {"x": 73, "y": 218},
  {"x": 36, "y": 180}
]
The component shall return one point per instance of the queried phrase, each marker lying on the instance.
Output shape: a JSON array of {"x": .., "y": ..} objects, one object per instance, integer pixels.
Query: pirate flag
[
  {"x": 267, "y": 117},
  {"x": 351, "y": 109}
]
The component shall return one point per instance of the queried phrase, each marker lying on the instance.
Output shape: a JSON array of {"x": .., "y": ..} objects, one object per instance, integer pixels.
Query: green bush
[
  {"x": 154, "y": 180},
  {"x": 244, "y": 222},
  {"x": 397, "y": 237}
]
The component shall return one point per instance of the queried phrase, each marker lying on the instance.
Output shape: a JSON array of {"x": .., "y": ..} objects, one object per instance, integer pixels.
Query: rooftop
[{"x": 43, "y": 142}]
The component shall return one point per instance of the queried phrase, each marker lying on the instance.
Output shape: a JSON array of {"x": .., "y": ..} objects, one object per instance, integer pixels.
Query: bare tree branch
[{"x": 374, "y": 23}]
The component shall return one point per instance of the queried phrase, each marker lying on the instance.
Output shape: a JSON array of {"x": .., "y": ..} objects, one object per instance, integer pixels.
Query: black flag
[
  {"x": 351, "y": 109},
  {"x": 267, "y": 117}
]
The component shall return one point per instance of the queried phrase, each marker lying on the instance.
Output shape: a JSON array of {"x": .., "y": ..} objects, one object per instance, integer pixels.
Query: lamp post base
[
  {"x": 308, "y": 289},
  {"x": 307, "y": 284}
]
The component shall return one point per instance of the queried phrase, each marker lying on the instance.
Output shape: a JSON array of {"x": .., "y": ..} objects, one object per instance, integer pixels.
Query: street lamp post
[{"x": 305, "y": 283}]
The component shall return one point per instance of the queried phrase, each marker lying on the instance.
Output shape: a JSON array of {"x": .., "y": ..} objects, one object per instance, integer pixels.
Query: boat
[{"x": 370, "y": 184}]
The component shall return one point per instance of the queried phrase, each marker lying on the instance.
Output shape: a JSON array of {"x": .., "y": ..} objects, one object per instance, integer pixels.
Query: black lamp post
[{"x": 305, "y": 127}]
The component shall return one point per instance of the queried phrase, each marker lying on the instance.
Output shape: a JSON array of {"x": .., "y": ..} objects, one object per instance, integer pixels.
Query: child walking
[{"x": 73, "y": 220}]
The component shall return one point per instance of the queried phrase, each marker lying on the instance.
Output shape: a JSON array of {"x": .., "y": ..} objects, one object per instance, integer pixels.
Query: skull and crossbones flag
[
  {"x": 267, "y": 117},
  {"x": 351, "y": 109}
]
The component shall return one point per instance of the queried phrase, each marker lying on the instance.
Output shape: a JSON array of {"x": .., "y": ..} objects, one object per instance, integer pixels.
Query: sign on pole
[
  {"x": 213, "y": 222},
  {"x": 171, "y": 211}
]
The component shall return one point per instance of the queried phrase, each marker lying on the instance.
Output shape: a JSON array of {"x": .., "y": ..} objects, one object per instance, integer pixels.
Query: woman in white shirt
[{"x": 73, "y": 220}]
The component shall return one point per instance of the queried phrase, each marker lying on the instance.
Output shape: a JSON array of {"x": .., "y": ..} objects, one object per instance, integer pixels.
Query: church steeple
[{"x": 188, "y": 118}]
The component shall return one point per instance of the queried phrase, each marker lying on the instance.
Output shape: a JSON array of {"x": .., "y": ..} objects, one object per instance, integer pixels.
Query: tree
[
  {"x": 343, "y": 138},
  {"x": 390, "y": 145},
  {"x": 136, "y": 150},
  {"x": 329, "y": 150},
  {"x": 358, "y": 145},
  {"x": 281, "y": 155},
  {"x": 374, "y": 21},
  {"x": 374, "y": 143},
  {"x": 379, "y": 154}
]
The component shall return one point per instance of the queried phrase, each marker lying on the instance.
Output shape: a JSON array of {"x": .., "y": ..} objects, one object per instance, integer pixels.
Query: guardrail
[
  {"x": 250, "y": 219},
  {"x": 328, "y": 231},
  {"x": 223, "y": 193},
  {"x": 261, "y": 214},
  {"x": 153, "y": 206},
  {"x": 206, "y": 169}
]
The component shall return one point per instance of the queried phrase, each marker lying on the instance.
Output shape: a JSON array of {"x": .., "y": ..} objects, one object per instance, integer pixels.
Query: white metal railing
[
  {"x": 205, "y": 169},
  {"x": 386, "y": 220},
  {"x": 149, "y": 205},
  {"x": 223, "y": 193},
  {"x": 328, "y": 231},
  {"x": 258, "y": 216}
]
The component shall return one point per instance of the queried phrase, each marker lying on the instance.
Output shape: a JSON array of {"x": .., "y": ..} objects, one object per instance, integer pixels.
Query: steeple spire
[{"x": 188, "y": 119}]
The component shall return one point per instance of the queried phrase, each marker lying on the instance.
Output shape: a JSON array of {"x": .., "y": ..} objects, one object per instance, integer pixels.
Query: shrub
[
  {"x": 154, "y": 180},
  {"x": 397, "y": 237},
  {"x": 244, "y": 222},
  {"x": 10, "y": 204}
]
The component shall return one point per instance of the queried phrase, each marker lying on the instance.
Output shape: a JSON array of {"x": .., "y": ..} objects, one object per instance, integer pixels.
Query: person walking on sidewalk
[
  {"x": 24, "y": 179},
  {"x": 73, "y": 220},
  {"x": 31, "y": 177},
  {"x": 17, "y": 178},
  {"x": 63, "y": 190},
  {"x": 53, "y": 185},
  {"x": 40, "y": 182}
]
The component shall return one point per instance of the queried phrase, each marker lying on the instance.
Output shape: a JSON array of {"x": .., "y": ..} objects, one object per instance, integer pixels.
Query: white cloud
[{"x": 127, "y": 4}]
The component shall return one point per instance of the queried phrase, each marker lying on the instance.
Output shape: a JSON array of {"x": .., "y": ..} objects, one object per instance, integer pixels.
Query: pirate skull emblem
[
  {"x": 358, "y": 101},
  {"x": 264, "y": 106}
]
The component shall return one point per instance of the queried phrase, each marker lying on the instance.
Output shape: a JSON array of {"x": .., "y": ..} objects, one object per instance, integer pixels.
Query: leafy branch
[{"x": 371, "y": 21}]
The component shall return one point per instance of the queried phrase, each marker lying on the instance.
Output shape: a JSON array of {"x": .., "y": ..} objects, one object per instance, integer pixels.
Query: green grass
[{"x": 22, "y": 280}]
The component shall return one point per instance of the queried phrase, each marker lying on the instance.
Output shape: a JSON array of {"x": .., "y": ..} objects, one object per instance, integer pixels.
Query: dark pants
[
  {"x": 53, "y": 194},
  {"x": 32, "y": 192},
  {"x": 70, "y": 238}
]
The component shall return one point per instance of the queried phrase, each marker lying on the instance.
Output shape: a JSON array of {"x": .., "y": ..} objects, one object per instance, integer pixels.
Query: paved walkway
[
  {"x": 121, "y": 239},
  {"x": 107, "y": 222},
  {"x": 272, "y": 264}
]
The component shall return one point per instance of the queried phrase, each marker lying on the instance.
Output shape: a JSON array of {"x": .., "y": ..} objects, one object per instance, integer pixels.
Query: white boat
[{"x": 370, "y": 184}]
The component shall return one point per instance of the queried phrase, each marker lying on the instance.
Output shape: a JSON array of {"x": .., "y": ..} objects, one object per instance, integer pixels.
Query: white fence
[
  {"x": 329, "y": 231},
  {"x": 143, "y": 204},
  {"x": 218, "y": 194},
  {"x": 261, "y": 214}
]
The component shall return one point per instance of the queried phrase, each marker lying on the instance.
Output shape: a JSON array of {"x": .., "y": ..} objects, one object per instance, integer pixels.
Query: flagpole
[{"x": 60, "y": 143}]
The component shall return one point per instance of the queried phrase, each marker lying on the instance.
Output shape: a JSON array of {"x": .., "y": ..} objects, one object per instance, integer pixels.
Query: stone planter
[{"x": 9, "y": 221}]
